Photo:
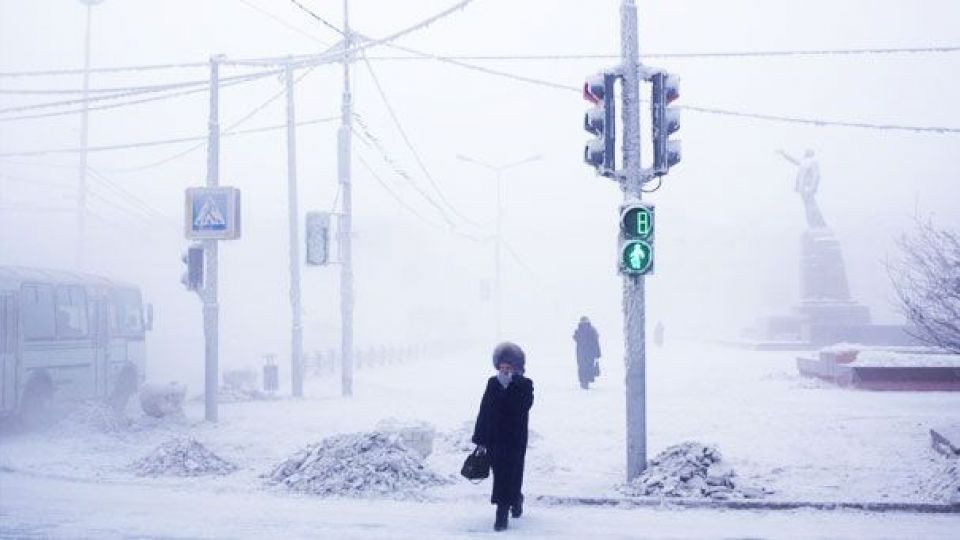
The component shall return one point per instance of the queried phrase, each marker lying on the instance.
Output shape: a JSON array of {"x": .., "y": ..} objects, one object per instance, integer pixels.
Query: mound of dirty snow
[
  {"x": 691, "y": 470},
  {"x": 182, "y": 457},
  {"x": 944, "y": 487},
  {"x": 95, "y": 416},
  {"x": 356, "y": 464}
]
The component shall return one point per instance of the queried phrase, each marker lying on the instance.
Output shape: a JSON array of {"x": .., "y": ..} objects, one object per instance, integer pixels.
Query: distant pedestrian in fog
[
  {"x": 588, "y": 352},
  {"x": 658, "y": 334},
  {"x": 501, "y": 429}
]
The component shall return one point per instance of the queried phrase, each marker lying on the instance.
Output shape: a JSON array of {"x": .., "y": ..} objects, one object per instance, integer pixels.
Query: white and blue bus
[{"x": 68, "y": 336}]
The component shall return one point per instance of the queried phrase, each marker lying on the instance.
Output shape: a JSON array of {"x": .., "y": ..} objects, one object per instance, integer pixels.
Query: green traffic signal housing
[{"x": 636, "y": 238}]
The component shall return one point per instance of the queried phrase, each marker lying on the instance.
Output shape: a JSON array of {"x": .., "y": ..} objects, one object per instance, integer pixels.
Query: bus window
[
  {"x": 39, "y": 312},
  {"x": 126, "y": 315},
  {"x": 71, "y": 311}
]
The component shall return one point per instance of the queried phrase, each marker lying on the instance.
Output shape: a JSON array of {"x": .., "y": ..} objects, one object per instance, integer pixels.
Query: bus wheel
[
  {"x": 125, "y": 387},
  {"x": 35, "y": 411}
]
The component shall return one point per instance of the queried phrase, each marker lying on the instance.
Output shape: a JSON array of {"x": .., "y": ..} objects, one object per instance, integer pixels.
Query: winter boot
[
  {"x": 584, "y": 385},
  {"x": 516, "y": 510},
  {"x": 501, "y": 523}
]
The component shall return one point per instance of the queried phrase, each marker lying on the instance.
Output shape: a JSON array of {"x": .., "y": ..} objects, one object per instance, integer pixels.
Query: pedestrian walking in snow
[
  {"x": 502, "y": 427},
  {"x": 588, "y": 352}
]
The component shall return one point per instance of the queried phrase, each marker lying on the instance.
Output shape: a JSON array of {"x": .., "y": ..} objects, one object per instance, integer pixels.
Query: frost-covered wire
[
  {"x": 409, "y": 144},
  {"x": 449, "y": 228},
  {"x": 229, "y": 130},
  {"x": 282, "y": 22},
  {"x": 719, "y": 54},
  {"x": 373, "y": 142},
  {"x": 121, "y": 93},
  {"x": 819, "y": 121},
  {"x": 318, "y": 18}
]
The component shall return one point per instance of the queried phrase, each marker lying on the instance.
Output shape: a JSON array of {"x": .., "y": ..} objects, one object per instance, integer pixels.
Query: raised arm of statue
[{"x": 788, "y": 157}]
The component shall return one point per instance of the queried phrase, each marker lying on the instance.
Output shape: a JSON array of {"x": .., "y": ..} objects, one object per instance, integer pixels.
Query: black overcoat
[
  {"x": 502, "y": 428},
  {"x": 588, "y": 351}
]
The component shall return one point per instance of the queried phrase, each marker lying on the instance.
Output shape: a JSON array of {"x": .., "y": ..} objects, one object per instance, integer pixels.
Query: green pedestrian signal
[
  {"x": 636, "y": 239},
  {"x": 636, "y": 257}
]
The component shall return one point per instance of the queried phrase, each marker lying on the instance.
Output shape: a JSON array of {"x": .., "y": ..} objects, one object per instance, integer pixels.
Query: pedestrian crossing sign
[{"x": 212, "y": 213}]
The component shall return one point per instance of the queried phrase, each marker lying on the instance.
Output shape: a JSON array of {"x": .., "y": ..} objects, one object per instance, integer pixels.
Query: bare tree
[{"x": 927, "y": 281}]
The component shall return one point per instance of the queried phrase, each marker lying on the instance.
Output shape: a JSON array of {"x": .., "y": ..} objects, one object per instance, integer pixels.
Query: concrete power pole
[
  {"x": 633, "y": 286},
  {"x": 211, "y": 307},
  {"x": 296, "y": 336},
  {"x": 344, "y": 136}
]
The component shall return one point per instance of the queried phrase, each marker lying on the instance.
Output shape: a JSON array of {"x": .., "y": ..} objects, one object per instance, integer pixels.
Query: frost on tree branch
[{"x": 926, "y": 278}]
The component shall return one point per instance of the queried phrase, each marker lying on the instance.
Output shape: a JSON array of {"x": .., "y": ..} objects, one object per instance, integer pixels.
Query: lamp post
[
  {"x": 498, "y": 170},
  {"x": 82, "y": 183}
]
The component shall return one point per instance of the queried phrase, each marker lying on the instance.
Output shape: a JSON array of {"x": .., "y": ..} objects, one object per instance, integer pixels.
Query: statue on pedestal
[{"x": 806, "y": 184}]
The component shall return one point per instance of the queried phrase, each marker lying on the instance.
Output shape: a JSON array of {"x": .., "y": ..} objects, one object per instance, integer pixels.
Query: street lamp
[
  {"x": 498, "y": 170},
  {"x": 82, "y": 184}
]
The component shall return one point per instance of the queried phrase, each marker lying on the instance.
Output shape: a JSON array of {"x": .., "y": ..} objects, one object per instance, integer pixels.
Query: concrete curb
[{"x": 753, "y": 504}]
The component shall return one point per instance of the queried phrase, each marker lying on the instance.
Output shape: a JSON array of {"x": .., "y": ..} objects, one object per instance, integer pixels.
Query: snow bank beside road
[
  {"x": 356, "y": 465},
  {"x": 182, "y": 457},
  {"x": 693, "y": 470}
]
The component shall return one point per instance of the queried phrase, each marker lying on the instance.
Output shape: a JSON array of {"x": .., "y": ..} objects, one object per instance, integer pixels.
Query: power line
[
  {"x": 393, "y": 194},
  {"x": 119, "y": 93},
  {"x": 163, "y": 142},
  {"x": 318, "y": 17},
  {"x": 703, "y": 110},
  {"x": 719, "y": 54},
  {"x": 228, "y": 131},
  {"x": 819, "y": 121},
  {"x": 283, "y": 22},
  {"x": 374, "y": 143},
  {"x": 482, "y": 69},
  {"x": 409, "y": 144}
]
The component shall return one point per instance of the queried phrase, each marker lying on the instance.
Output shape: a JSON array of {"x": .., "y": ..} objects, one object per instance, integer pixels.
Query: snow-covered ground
[{"x": 799, "y": 438}]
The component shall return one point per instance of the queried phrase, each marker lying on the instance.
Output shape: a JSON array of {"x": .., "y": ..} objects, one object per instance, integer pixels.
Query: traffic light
[
  {"x": 666, "y": 120},
  {"x": 192, "y": 277},
  {"x": 636, "y": 239},
  {"x": 600, "y": 120},
  {"x": 318, "y": 238}
]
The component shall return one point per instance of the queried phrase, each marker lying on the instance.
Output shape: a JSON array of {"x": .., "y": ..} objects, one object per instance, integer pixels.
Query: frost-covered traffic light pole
[{"x": 635, "y": 243}]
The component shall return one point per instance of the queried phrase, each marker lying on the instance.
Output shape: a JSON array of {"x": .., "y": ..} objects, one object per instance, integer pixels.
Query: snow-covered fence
[{"x": 325, "y": 363}]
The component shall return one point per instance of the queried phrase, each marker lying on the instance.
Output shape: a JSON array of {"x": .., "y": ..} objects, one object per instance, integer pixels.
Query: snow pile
[
  {"x": 182, "y": 457},
  {"x": 459, "y": 440},
  {"x": 944, "y": 487},
  {"x": 162, "y": 400},
  {"x": 356, "y": 464},
  {"x": 689, "y": 469},
  {"x": 98, "y": 417},
  {"x": 415, "y": 434}
]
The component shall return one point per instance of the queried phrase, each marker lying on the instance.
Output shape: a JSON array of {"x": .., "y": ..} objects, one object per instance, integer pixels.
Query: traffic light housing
[
  {"x": 666, "y": 121},
  {"x": 636, "y": 239},
  {"x": 318, "y": 238},
  {"x": 192, "y": 259},
  {"x": 600, "y": 120}
]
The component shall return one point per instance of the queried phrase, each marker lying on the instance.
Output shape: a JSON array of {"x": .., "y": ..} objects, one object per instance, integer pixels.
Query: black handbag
[{"x": 476, "y": 466}]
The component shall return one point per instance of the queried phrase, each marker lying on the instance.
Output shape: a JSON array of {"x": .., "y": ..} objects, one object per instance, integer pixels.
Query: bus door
[
  {"x": 9, "y": 347},
  {"x": 100, "y": 337}
]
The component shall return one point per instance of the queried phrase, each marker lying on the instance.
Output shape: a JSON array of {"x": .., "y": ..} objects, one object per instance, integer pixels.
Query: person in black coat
[
  {"x": 502, "y": 428},
  {"x": 588, "y": 352}
]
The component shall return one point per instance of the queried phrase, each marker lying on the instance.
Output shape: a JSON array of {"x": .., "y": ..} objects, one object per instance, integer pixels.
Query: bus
[{"x": 66, "y": 337}]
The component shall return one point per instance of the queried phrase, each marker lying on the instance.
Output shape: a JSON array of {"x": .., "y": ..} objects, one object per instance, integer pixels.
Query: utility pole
[
  {"x": 344, "y": 136},
  {"x": 80, "y": 259},
  {"x": 498, "y": 288},
  {"x": 634, "y": 315},
  {"x": 211, "y": 307},
  {"x": 296, "y": 335}
]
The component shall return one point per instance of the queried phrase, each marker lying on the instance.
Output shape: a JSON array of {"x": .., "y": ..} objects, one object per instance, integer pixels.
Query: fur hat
[{"x": 509, "y": 353}]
